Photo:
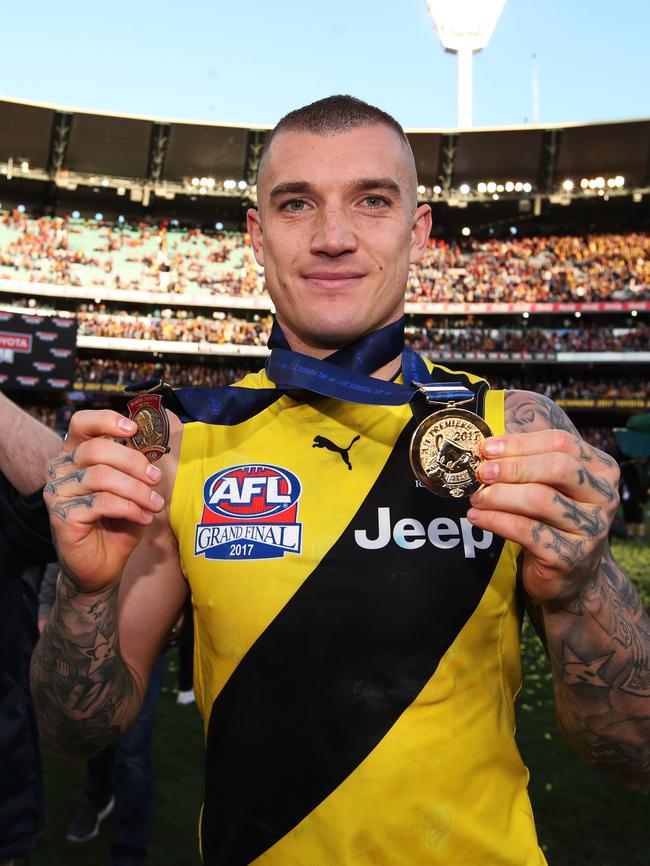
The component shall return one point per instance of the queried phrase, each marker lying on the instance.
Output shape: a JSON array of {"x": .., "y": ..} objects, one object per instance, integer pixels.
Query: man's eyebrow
[
  {"x": 291, "y": 186},
  {"x": 364, "y": 184}
]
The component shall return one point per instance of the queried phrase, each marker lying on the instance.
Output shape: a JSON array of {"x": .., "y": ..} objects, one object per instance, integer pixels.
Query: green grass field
[{"x": 584, "y": 818}]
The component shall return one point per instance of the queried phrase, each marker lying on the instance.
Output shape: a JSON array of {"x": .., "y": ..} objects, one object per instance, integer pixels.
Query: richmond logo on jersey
[{"x": 249, "y": 512}]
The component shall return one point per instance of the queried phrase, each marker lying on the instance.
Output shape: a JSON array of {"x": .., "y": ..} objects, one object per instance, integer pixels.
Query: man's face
[{"x": 336, "y": 230}]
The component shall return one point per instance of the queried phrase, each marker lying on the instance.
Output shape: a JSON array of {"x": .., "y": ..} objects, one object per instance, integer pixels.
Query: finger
[
  {"x": 559, "y": 470},
  {"x": 547, "y": 442},
  {"x": 107, "y": 451},
  {"x": 92, "y": 507},
  {"x": 542, "y": 503},
  {"x": 101, "y": 478},
  {"x": 547, "y": 543},
  {"x": 88, "y": 423},
  {"x": 111, "y": 453}
]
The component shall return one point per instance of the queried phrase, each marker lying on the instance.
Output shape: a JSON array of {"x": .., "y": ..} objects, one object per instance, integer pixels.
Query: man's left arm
[{"x": 556, "y": 496}]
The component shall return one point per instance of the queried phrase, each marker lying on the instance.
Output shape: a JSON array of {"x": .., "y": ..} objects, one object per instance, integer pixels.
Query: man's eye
[
  {"x": 375, "y": 201},
  {"x": 296, "y": 205}
]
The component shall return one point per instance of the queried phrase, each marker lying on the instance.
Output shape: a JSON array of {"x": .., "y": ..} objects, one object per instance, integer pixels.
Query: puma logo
[{"x": 323, "y": 442}]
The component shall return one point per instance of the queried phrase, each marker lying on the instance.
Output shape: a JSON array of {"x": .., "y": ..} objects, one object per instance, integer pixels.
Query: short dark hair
[{"x": 332, "y": 115}]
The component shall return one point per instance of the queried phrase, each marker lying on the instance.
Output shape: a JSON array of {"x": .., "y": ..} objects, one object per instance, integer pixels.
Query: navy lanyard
[{"x": 344, "y": 375}]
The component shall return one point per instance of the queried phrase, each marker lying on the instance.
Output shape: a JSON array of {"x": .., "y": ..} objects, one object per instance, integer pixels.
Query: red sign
[{"x": 15, "y": 342}]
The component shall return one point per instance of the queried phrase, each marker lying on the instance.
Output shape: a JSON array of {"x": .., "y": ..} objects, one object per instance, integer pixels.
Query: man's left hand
[{"x": 554, "y": 495}]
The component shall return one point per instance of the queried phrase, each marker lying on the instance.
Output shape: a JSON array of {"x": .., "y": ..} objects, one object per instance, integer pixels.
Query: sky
[{"x": 251, "y": 61}]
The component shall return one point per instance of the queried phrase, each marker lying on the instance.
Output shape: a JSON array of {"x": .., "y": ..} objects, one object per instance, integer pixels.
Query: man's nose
[{"x": 333, "y": 233}]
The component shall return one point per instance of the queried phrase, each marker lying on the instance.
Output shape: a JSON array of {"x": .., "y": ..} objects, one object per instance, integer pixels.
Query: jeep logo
[{"x": 409, "y": 533}]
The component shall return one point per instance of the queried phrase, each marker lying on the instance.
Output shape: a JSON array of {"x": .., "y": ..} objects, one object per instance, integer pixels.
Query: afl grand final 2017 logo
[{"x": 249, "y": 512}]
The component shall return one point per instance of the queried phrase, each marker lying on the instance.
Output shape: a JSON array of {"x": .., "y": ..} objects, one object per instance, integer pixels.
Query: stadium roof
[{"x": 165, "y": 157}]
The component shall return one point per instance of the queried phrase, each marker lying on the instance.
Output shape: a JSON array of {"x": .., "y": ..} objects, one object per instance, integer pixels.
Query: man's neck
[{"x": 297, "y": 344}]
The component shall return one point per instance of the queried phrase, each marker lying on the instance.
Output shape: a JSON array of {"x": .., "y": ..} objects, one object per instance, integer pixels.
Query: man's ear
[
  {"x": 420, "y": 231},
  {"x": 254, "y": 226}
]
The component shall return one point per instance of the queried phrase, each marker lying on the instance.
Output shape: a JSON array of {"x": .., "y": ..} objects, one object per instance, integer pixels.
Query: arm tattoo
[
  {"x": 599, "y": 649},
  {"x": 84, "y": 693}
]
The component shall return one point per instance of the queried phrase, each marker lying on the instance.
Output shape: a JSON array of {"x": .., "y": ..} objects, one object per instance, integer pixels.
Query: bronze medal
[
  {"x": 445, "y": 452},
  {"x": 152, "y": 437}
]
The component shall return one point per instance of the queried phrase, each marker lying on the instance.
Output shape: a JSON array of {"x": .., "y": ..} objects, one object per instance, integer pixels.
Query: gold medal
[
  {"x": 445, "y": 452},
  {"x": 149, "y": 414}
]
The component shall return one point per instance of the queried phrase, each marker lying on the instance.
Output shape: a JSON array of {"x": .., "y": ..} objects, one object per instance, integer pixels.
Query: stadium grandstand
[{"x": 128, "y": 234}]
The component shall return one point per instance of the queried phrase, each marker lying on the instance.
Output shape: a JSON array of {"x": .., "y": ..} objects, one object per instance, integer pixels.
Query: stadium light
[
  {"x": 567, "y": 185},
  {"x": 465, "y": 231},
  {"x": 464, "y": 188},
  {"x": 465, "y": 27}
]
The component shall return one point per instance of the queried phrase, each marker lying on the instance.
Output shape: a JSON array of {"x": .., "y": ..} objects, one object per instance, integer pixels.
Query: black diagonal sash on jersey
[{"x": 333, "y": 672}]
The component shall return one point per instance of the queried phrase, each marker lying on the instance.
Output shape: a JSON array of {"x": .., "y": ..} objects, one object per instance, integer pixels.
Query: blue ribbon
[{"x": 344, "y": 375}]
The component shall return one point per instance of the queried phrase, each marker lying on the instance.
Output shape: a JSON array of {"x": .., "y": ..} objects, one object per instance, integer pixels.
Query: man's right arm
[{"x": 119, "y": 591}]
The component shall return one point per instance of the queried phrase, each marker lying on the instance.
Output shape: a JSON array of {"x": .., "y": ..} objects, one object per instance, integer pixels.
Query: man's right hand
[{"x": 100, "y": 498}]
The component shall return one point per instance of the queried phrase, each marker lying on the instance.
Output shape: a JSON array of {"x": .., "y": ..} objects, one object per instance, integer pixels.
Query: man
[
  {"x": 25, "y": 448},
  {"x": 357, "y": 635}
]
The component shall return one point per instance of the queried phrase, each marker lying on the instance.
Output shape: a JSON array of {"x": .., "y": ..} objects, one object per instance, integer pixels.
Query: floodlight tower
[{"x": 465, "y": 26}]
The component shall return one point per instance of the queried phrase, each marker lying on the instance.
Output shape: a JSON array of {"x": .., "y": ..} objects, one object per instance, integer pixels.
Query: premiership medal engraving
[
  {"x": 152, "y": 437},
  {"x": 445, "y": 452}
]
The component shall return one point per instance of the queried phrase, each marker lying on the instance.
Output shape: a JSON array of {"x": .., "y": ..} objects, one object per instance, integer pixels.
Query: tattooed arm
[
  {"x": 556, "y": 496},
  {"x": 119, "y": 591}
]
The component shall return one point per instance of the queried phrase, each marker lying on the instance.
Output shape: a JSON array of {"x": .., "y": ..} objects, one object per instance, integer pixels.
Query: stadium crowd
[
  {"x": 119, "y": 371},
  {"x": 116, "y": 371},
  {"x": 528, "y": 340},
  {"x": 436, "y": 340},
  {"x": 597, "y": 267},
  {"x": 161, "y": 257},
  {"x": 223, "y": 329}
]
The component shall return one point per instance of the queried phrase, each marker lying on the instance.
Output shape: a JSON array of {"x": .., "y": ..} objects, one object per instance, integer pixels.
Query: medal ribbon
[{"x": 344, "y": 375}]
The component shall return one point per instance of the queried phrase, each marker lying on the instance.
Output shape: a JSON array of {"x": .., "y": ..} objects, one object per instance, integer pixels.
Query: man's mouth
[{"x": 333, "y": 279}]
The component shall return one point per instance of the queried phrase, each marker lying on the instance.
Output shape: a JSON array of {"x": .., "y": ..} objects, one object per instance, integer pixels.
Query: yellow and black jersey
[{"x": 356, "y": 649}]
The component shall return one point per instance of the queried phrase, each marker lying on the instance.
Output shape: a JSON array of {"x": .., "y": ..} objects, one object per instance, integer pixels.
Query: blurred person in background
[
  {"x": 25, "y": 541},
  {"x": 634, "y": 495}
]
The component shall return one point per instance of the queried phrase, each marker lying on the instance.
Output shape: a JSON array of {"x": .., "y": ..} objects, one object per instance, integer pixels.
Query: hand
[
  {"x": 100, "y": 498},
  {"x": 554, "y": 495}
]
